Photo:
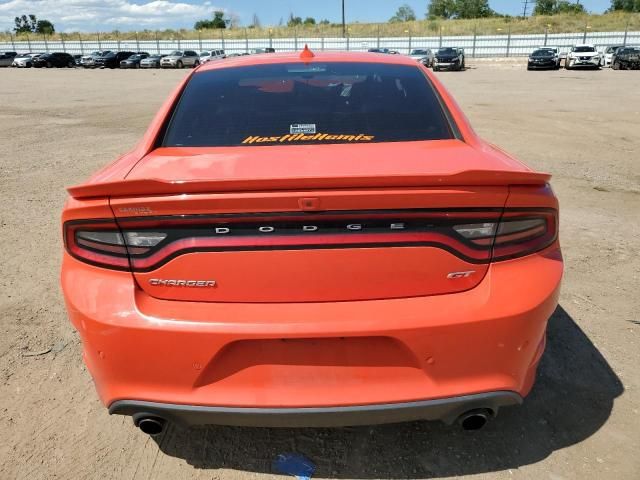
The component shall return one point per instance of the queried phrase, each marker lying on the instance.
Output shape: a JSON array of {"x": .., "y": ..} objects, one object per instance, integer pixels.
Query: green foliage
[
  {"x": 25, "y": 24},
  {"x": 404, "y": 14},
  {"x": 294, "y": 21},
  {"x": 459, "y": 9},
  {"x": 554, "y": 7},
  {"x": 309, "y": 21},
  {"x": 441, "y": 9},
  {"x": 45, "y": 27},
  {"x": 625, "y": 5},
  {"x": 218, "y": 21}
]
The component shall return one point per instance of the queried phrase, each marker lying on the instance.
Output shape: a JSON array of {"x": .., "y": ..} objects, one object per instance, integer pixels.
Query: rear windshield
[{"x": 287, "y": 104}]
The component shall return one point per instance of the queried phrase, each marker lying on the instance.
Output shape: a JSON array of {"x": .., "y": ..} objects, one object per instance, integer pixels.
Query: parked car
[
  {"x": 584, "y": 55},
  {"x": 24, "y": 60},
  {"x": 112, "y": 59},
  {"x": 424, "y": 56},
  {"x": 556, "y": 53},
  {"x": 55, "y": 59},
  {"x": 134, "y": 60},
  {"x": 152, "y": 61},
  {"x": 422, "y": 293},
  {"x": 180, "y": 59},
  {"x": 263, "y": 50},
  {"x": 626, "y": 58},
  {"x": 449, "y": 58},
  {"x": 379, "y": 50},
  {"x": 6, "y": 58},
  {"x": 209, "y": 55},
  {"x": 606, "y": 56},
  {"x": 543, "y": 58},
  {"x": 89, "y": 61}
]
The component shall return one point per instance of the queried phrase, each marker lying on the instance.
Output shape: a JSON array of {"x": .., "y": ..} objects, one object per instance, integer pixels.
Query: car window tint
[{"x": 345, "y": 102}]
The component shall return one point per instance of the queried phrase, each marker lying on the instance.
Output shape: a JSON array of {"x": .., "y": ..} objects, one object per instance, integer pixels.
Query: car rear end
[{"x": 280, "y": 253}]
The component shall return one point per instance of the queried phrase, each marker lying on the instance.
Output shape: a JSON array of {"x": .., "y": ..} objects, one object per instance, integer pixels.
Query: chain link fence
[{"x": 476, "y": 45}]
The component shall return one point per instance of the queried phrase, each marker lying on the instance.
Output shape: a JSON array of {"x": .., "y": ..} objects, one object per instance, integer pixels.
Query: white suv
[
  {"x": 209, "y": 55},
  {"x": 583, "y": 55}
]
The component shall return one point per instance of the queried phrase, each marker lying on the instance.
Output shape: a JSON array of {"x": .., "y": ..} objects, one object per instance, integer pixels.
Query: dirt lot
[{"x": 582, "y": 419}]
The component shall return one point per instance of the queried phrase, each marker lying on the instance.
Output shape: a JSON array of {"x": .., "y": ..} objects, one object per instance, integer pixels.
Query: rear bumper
[
  {"x": 445, "y": 409},
  {"x": 360, "y": 356}
]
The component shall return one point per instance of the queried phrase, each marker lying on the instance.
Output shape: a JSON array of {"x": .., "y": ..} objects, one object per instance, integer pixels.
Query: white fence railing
[{"x": 475, "y": 45}]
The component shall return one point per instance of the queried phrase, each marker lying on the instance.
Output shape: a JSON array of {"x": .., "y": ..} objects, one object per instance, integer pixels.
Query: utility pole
[
  {"x": 344, "y": 31},
  {"x": 524, "y": 9}
]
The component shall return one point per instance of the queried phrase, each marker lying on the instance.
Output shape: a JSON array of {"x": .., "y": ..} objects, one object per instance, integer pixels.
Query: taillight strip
[{"x": 185, "y": 234}]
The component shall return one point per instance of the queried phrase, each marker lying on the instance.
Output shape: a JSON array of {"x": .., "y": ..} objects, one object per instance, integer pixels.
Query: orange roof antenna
[{"x": 306, "y": 54}]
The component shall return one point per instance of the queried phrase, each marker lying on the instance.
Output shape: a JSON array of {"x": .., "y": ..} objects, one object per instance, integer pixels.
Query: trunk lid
[{"x": 311, "y": 224}]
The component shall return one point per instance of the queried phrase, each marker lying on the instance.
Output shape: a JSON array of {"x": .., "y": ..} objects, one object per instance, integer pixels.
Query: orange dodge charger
[{"x": 310, "y": 239}]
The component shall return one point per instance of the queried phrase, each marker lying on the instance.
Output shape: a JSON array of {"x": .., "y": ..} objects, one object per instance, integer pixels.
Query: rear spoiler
[{"x": 145, "y": 187}]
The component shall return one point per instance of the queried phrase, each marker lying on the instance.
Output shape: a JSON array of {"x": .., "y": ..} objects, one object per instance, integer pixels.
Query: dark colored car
[
  {"x": 78, "y": 60},
  {"x": 112, "y": 59},
  {"x": 6, "y": 58},
  {"x": 627, "y": 58},
  {"x": 55, "y": 59},
  {"x": 449, "y": 58},
  {"x": 134, "y": 60},
  {"x": 379, "y": 50},
  {"x": 542, "y": 58}
]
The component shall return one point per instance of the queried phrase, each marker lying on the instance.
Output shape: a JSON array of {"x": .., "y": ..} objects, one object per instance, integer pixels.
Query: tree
[
  {"x": 255, "y": 23},
  {"x": 325, "y": 22},
  {"x": 625, "y": 5},
  {"x": 404, "y": 14},
  {"x": 473, "y": 9},
  {"x": 553, "y": 7},
  {"x": 441, "y": 8},
  {"x": 218, "y": 21},
  {"x": 45, "y": 27},
  {"x": 564, "y": 6},
  {"x": 309, "y": 21},
  {"x": 25, "y": 24},
  {"x": 294, "y": 21},
  {"x": 459, "y": 9},
  {"x": 544, "y": 7}
]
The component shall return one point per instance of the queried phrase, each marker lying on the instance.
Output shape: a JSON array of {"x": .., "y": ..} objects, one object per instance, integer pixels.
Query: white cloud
[{"x": 96, "y": 15}]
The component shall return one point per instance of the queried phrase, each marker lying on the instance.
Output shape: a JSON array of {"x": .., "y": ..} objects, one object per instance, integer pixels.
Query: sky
[{"x": 130, "y": 15}]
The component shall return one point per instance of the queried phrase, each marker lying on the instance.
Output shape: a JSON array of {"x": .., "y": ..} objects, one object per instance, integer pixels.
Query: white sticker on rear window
[{"x": 302, "y": 128}]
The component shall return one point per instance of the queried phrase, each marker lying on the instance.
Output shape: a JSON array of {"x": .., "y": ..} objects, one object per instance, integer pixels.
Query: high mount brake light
[{"x": 476, "y": 236}]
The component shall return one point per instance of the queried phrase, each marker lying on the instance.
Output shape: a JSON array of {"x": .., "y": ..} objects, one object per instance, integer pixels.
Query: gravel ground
[{"x": 582, "y": 418}]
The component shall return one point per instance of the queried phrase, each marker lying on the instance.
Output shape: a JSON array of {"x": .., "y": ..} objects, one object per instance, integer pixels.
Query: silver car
[
  {"x": 209, "y": 55},
  {"x": 180, "y": 59},
  {"x": 423, "y": 55},
  {"x": 24, "y": 60},
  {"x": 89, "y": 61}
]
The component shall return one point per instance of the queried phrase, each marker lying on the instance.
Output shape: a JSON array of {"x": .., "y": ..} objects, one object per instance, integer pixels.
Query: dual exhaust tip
[{"x": 472, "y": 420}]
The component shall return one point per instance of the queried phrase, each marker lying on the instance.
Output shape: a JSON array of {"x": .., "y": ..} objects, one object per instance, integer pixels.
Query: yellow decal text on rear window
[{"x": 301, "y": 137}]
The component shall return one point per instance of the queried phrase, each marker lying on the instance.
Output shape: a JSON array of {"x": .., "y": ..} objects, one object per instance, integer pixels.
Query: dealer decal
[
  {"x": 302, "y": 128},
  {"x": 301, "y": 137}
]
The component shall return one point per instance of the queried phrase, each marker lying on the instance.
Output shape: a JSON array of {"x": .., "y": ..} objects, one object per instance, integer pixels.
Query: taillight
[
  {"x": 518, "y": 233},
  {"x": 476, "y": 236},
  {"x": 97, "y": 242}
]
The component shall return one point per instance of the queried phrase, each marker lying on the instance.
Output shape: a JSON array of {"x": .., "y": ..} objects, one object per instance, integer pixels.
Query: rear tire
[
  {"x": 196, "y": 64},
  {"x": 70, "y": 64},
  {"x": 616, "y": 65},
  {"x": 179, "y": 64}
]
